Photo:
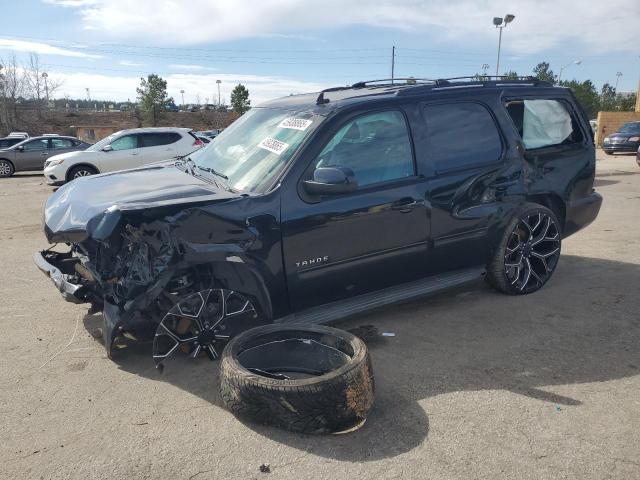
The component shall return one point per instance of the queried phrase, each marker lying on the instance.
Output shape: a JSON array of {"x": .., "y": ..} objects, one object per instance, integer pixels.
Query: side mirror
[
  {"x": 20, "y": 148},
  {"x": 107, "y": 148},
  {"x": 331, "y": 181}
]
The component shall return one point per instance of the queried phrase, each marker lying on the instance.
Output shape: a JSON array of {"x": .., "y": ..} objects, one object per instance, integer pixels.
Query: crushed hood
[{"x": 92, "y": 206}]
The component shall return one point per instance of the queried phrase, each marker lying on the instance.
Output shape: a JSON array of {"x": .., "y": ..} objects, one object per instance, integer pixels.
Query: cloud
[
  {"x": 129, "y": 63},
  {"x": 42, "y": 48},
  {"x": 123, "y": 87},
  {"x": 539, "y": 24}
]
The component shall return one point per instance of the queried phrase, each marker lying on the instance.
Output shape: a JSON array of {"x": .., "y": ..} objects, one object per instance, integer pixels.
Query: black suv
[{"x": 318, "y": 206}]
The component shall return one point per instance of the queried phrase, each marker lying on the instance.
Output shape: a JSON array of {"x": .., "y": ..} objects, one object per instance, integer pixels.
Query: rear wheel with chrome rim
[
  {"x": 528, "y": 252},
  {"x": 6, "y": 168}
]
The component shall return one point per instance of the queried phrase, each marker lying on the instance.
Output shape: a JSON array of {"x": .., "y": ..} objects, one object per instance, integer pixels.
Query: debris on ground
[{"x": 265, "y": 468}]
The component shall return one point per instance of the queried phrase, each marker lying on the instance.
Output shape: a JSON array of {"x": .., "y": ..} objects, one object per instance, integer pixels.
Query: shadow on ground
[{"x": 582, "y": 327}]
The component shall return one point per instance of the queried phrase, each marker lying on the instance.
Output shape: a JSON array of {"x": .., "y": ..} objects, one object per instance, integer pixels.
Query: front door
[
  {"x": 339, "y": 246},
  {"x": 124, "y": 154},
  {"x": 33, "y": 154}
]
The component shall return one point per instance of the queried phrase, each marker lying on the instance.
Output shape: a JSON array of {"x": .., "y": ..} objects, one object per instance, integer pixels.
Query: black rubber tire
[
  {"x": 608, "y": 153},
  {"x": 496, "y": 274},
  {"x": 11, "y": 170},
  {"x": 72, "y": 173},
  {"x": 339, "y": 400}
]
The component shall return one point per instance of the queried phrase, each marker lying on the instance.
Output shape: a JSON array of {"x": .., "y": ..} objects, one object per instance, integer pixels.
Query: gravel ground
[{"x": 474, "y": 384}]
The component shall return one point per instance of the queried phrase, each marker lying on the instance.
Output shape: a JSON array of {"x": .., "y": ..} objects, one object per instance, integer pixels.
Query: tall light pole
[
  {"x": 219, "y": 82},
  {"x": 618, "y": 75},
  {"x": 46, "y": 87},
  {"x": 575, "y": 62},
  {"x": 501, "y": 23},
  {"x": 182, "y": 93}
]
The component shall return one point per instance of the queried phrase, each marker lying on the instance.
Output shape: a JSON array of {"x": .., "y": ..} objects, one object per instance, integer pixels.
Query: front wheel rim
[
  {"x": 532, "y": 251},
  {"x": 82, "y": 173},
  {"x": 5, "y": 169},
  {"x": 199, "y": 324}
]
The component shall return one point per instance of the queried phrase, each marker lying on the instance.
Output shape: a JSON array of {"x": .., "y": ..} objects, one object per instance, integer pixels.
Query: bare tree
[
  {"x": 12, "y": 87},
  {"x": 38, "y": 83}
]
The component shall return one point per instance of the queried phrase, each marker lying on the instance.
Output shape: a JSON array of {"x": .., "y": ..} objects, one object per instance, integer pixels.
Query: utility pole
[
  {"x": 182, "y": 93},
  {"x": 393, "y": 62},
  {"x": 219, "y": 82},
  {"x": 88, "y": 94}
]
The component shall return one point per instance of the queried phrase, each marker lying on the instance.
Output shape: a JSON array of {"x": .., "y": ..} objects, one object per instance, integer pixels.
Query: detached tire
[{"x": 306, "y": 379}]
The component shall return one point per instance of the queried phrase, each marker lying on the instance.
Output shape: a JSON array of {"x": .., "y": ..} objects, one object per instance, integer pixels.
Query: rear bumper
[
  {"x": 628, "y": 147},
  {"x": 70, "y": 291},
  {"x": 581, "y": 213}
]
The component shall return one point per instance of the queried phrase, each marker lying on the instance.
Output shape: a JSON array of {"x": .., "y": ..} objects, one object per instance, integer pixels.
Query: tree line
[{"x": 592, "y": 100}]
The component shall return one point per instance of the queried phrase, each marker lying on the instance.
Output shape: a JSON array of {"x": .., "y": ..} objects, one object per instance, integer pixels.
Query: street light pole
[
  {"x": 182, "y": 93},
  {"x": 219, "y": 82},
  {"x": 46, "y": 87},
  {"x": 575, "y": 62},
  {"x": 501, "y": 23}
]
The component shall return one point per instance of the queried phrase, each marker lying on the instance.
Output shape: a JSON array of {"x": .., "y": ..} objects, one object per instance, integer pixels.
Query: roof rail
[{"x": 392, "y": 81}]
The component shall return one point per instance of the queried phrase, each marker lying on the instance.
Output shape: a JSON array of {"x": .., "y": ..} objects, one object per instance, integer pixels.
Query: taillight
[{"x": 198, "y": 143}]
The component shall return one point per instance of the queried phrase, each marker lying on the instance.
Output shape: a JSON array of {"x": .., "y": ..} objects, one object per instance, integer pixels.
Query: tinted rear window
[
  {"x": 159, "y": 138},
  {"x": 461, "y": 135}
]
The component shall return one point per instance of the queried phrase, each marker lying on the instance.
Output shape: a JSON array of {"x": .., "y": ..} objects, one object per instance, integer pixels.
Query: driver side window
[
  {"x": 376, "y": 147},
  {"x": 36, "y": 145},
  {"x": 127, "y": 142}
]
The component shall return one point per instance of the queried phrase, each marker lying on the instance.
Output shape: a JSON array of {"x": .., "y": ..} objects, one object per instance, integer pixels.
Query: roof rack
[{"x": 441, "y": 83}]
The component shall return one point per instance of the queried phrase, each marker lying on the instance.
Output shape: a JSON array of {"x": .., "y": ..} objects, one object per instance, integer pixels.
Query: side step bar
[{"x": 369, "y": 301}]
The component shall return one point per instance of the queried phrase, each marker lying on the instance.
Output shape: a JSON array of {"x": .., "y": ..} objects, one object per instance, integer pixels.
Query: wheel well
[
  {"x": 92, "y": 167},
  {"x": 7, "y": 160},
  {"x": 553, "y": 202}
]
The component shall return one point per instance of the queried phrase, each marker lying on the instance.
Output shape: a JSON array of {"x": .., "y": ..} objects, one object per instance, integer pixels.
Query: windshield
[
  {"x": 255, "y": 148},
  {"x": 630, "y": 128},
  {"x": 105, "y": 141}
]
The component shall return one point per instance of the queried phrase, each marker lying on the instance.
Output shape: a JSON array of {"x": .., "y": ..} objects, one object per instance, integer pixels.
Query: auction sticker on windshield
[
  {"x": 273, "y": 145},
  {"x": 296, "y": 123}
]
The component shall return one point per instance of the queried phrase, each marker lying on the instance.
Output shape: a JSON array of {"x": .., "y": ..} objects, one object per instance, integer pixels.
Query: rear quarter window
[{"x": 461, "y": 135}]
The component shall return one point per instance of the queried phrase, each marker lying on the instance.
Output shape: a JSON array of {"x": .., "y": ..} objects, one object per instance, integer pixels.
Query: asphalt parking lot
[{"x": 474, "y": 384}]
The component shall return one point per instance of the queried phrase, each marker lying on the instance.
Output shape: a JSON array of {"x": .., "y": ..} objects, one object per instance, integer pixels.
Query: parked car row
[{"x": 64, "y": 158}]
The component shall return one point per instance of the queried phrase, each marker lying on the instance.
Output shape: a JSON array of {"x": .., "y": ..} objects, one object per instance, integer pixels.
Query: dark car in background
[
  {"x": 626, "y": 139},
  {"x": 315, "y": 207},
  {"x": 30, "y": 154},
  {"x": 9, "y": 141}
]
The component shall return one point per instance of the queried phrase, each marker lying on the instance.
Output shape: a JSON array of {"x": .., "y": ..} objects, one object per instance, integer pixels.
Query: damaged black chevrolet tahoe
[{"x": 314, "y": 207}]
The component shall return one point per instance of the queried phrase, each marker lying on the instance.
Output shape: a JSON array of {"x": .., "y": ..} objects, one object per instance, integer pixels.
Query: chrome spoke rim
[
  {"x": 532, "y": 251},
  {"x": 197, "y": 324}
]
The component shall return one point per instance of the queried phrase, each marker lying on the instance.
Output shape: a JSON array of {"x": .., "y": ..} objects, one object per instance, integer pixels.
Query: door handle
[
  {"x": 405, "y": 205},
  {"x": 44, "y": 153}
]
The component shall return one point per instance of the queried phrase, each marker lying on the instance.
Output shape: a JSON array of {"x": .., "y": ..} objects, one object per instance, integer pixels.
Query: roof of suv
[{"x": 330, "y": 99}]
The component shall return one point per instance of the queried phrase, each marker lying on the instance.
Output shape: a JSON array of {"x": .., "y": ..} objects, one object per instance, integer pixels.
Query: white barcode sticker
[
  {"x": 295, "y": 123},
  {"x": 273, "y": 145}
]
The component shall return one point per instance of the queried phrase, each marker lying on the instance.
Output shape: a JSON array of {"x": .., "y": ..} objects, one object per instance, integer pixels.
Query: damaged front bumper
[{"x": 64, "y": 282}]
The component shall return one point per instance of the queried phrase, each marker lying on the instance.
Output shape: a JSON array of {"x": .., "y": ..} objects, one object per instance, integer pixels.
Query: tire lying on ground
[{"x": 308, "y": 379}]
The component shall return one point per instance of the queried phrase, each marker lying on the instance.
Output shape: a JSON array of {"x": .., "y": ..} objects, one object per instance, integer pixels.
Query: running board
[{"x": 363, "y": 303}]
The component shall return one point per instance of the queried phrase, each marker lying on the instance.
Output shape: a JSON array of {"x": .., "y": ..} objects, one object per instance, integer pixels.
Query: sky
[{"x": 279, "y": 47}]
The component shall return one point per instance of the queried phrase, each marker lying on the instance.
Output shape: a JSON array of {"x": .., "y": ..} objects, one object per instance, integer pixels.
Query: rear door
[
  {"x": 466, "y": 156},
  {"x": 158, "y": 146},
  {"x": 61, "y": 145}
]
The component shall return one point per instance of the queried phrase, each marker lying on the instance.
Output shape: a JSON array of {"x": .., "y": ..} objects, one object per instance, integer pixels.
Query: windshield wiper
[{"x": 211, "y": 170}]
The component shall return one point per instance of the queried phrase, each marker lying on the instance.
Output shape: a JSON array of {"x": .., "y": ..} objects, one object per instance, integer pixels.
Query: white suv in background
[{"x": 120, "y": 151}]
